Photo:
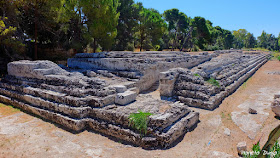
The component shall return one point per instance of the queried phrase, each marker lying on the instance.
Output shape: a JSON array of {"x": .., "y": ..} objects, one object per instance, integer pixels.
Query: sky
[{"x": 252, "y": 15}]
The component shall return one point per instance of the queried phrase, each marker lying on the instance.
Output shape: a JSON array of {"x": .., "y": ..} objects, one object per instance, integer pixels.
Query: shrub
[
  {"x": 278, "y": 58},
  {"x": 139, "y": 121},
  {"x": 255, "y": 153},
  {"x": 213, "y": 82}
]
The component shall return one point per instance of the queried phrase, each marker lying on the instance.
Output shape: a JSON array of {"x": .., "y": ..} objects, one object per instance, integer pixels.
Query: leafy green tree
[
  {"x": 268, "y": 41},
  {"x": 9, "y": 44},
  {"x": 150, "y": 29},
  {"x": 101, "y": 21},
  {"x": 178, "y": 26},
  {"x": 228, "y": 39},
  {"x": 250, "y": 41},
  {"x": 74, "y": 33},
  {"x": 262, "y": 40},
  {"x": 239, "y": 38},
  {"x": 126, "y": 24},
  {"x": 39, "y": 20},
  {"x": 201, "y": 33}
]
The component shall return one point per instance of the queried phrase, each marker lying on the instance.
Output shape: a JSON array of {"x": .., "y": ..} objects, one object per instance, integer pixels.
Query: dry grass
[{"x": 7, "y": 110}]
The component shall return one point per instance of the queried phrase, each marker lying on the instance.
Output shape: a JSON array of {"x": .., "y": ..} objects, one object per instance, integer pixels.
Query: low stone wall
[
  {"x": 78, "y": 102},
  {"x": 226, "y": 74}
]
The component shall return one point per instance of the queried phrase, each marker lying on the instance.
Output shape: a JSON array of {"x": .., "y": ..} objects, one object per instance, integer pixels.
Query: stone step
[
  {"x": 62, "y": 98},
  {"x": 156, "y": 140},
  {"x": 125, "y": 98},
  {"x": 158, "y": 121},
  {"x": 215, "y": 100}
]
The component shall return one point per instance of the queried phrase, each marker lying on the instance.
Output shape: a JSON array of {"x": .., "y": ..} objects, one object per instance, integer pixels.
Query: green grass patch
[
  {"x": 213, "y": 82},
  {"x": 197, "y": 75},
  {"x": 139, "y": 121}
]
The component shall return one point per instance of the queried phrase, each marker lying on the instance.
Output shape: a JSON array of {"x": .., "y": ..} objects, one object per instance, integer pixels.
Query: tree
[
  {"x": 101, "y": 21},
  {"x": 228, "y": 39},
  {"x": 126, "y": 24},
  {"x": 239, "y": 38},
  {"x": 178, "y": 26},
  {"x": 9, "y": 44},
  {"x": 74, "y": 33},
  {"x": 201, "y": 33},
  {"x": 250, "y": 41},
  {"x": 39, "y": 20},
  {"x": 150, "y": 29},
  {"x": 262, "y": 40}
]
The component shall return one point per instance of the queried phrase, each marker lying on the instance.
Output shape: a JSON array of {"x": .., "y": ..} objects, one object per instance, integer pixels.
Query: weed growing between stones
[
  {"x": 197, "y": 75},
  {"x": 213, "y": 82},
  {"x": 139, "y": 121}
]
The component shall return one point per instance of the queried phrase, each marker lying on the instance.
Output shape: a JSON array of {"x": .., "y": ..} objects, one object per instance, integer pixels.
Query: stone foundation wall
[
  {"x": 78, "y": 102},
  {"x": 193, "y": 87}
]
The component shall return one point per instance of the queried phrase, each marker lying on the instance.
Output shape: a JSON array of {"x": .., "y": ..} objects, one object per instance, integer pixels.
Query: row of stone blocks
[
  {"x": 193, "y": 89},
  {"x": 68, "y": 100}
]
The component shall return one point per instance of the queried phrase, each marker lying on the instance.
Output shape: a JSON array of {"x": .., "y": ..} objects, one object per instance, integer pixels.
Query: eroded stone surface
[
  {"x": 145, "y": 67},
  {"x": 80, "y": 102},
  {"x": 206, "y": 85},
  {"x": 251, "y": 124}
]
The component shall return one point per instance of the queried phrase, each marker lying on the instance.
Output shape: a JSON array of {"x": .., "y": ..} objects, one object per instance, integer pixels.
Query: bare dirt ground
[{"x": 23, "y": 135}]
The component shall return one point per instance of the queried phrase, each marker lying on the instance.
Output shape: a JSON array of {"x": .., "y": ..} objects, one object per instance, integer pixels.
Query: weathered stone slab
[{"x": 125, "y": 98}]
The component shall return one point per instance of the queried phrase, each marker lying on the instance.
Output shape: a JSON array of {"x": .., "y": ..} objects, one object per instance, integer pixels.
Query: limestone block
[
  {"x": 91, "y": 73},
  {"x": 275, "y": 107},
  {"x": 241, "y": 147},
  {"x": 120, "y": 88},
  {"x": 167, "y": 81},
  {"x": 125, "y": 98}
]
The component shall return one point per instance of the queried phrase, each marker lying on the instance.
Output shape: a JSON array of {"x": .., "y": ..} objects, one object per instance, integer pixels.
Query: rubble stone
[{"x": 241, "y": 147}]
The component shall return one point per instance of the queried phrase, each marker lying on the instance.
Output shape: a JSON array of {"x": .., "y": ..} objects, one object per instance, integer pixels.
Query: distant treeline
[{"x": 105, "y": 25}]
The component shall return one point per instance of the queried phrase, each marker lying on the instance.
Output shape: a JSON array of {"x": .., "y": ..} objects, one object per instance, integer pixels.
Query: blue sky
[{"x": 252, "y": 15}]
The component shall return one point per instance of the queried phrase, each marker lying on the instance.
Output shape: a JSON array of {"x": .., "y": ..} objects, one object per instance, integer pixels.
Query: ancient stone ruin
[
  {"x": 100, "y": 91},
  {"x": 206, "y": 85}
]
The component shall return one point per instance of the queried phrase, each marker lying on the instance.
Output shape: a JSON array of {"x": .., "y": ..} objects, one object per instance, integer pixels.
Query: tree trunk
[
  {"x": 94, "y": 45},
  {"x": 187, "y": 37},
  {"x": 36, "y": 32}
]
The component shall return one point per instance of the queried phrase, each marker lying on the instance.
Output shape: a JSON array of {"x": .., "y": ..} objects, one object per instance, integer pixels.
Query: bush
[
  {"x": 139, "y": 121},
  {"x": 278, "y": 58}
]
